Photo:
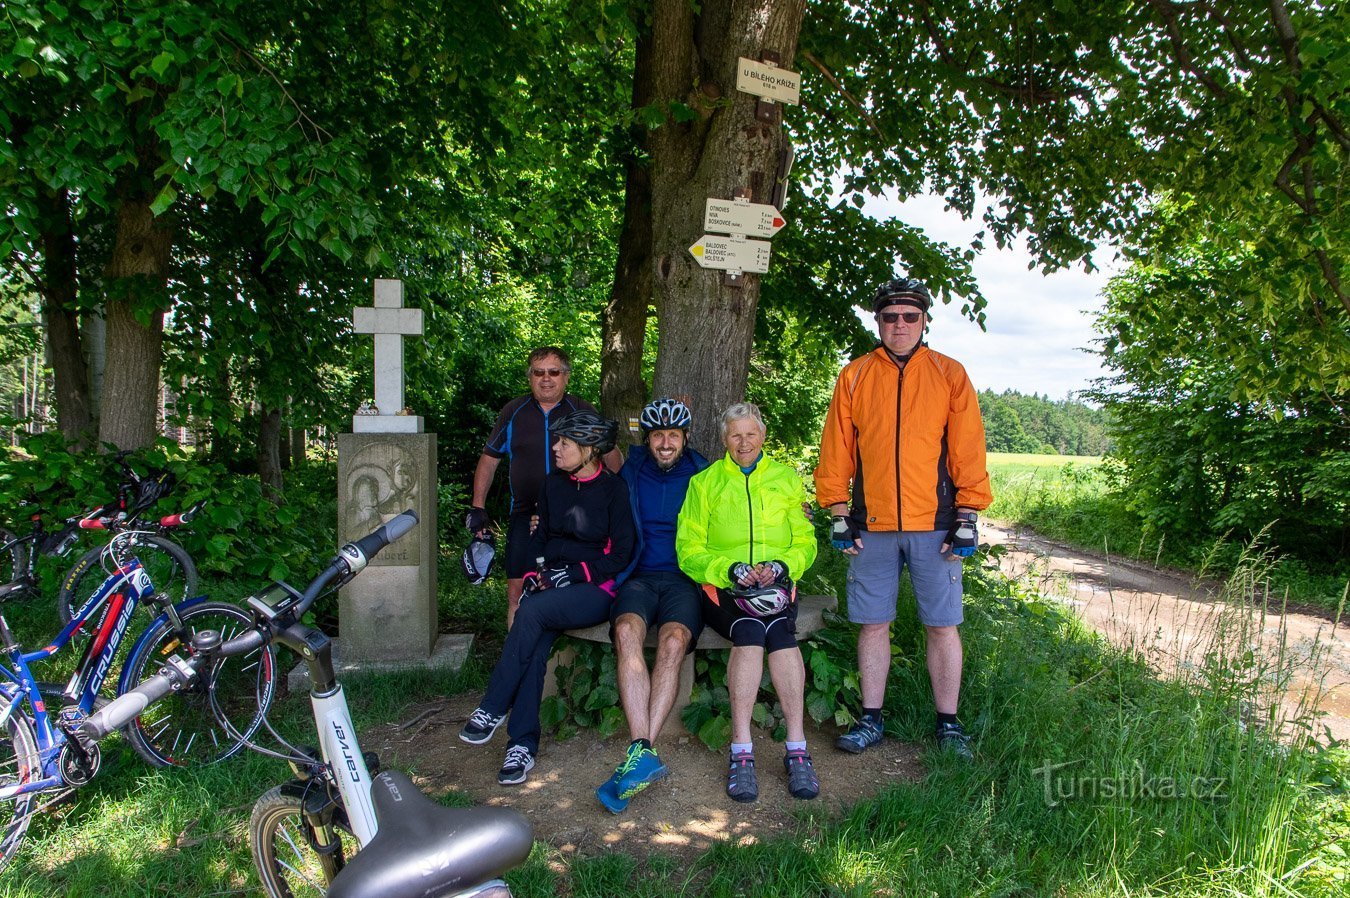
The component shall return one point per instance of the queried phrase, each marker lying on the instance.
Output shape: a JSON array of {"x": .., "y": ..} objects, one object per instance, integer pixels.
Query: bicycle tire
[
  {"x": 13, "y": 558},
  {"x": 281, "y": 840},
  {"x": 171, "y": 570},
  {"x": 19, "y": 763},
  {"x": 190, "y": 727}
]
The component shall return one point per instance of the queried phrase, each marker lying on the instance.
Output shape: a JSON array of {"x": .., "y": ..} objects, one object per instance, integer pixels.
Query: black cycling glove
[{"x": 477, "y": 519}]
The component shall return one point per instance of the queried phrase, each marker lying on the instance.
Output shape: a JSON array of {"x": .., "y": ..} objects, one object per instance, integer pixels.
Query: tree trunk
[
  {"x": 74, "y": 408},
  {"x": 622, "y": 390},
  {"x": 298, "y": 447},
  {"x": 139, "y": 265},
  {"x": 269, "y": 453},
  {"x": 707, "y": 327}
]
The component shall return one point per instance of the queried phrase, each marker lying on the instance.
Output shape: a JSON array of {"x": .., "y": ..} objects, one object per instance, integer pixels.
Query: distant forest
[{"x": 1017, "y": 423}]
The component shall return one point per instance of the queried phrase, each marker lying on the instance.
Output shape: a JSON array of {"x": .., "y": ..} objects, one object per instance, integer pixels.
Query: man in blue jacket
[{"x": 657, "y": 594}]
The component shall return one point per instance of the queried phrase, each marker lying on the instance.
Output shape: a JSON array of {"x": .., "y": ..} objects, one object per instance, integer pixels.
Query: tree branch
[
  {"x": 1230, "y": 31},
  {"x": 17, "y": 259},
  {"x": 1332, "y": 277},
  {"x": 304, "y": 117},
  {"x": 1027, "y": 93},
  {"x": 1170, "y": 14},
  {"x": 843, "y": 91}
]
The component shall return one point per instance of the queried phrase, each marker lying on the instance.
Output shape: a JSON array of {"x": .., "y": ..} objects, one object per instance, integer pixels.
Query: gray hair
[{"x": 742, "y": 410}]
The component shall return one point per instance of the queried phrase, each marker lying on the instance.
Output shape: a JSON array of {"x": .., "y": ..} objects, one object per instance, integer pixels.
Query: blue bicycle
[{"x": 42, "y": 754}]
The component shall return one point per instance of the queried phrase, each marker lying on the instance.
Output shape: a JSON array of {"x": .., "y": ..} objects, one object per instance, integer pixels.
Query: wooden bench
[{"x": 810, "y": 618}]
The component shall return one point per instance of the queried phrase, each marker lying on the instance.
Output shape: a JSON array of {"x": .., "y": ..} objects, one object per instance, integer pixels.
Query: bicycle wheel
[
  {"x": 170, "y": 568},
  {"x": 13, "y": 557},
  {"x": 18, "y": 764},
  {"x": 283, "y": 846},
  {"x": 210, "y": 720}
]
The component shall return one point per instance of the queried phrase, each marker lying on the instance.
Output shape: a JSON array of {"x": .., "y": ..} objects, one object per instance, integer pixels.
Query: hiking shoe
[
  {"x": 639, "y": 770},
  {"x": 802, "y": 781},
  {"x": 480, "y": 726},
  {"x": 519, "y": 762},
  {"x": 608, "y": 794},
  {"x": 952, "y": 737},
  {"x": 741, "y": 783},
  {"x": 865, "y": 733}
]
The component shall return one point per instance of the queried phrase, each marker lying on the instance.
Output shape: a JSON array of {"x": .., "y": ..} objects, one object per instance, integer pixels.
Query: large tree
[{"x": 1072, "y": 120}]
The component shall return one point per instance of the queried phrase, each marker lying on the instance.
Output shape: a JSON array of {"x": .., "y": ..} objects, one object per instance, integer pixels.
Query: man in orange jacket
[{"x": 904, "y": 443}]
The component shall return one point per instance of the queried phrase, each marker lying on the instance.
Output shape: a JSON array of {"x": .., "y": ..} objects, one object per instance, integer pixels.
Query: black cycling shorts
[
  {"x": 518, "y": 560},
  {"x": 773, "y": 634},
  {"x": 660, "y": 598}
]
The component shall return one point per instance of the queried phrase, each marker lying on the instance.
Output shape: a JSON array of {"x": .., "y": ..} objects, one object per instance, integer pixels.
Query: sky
[{"x": 1037, "y": 326}]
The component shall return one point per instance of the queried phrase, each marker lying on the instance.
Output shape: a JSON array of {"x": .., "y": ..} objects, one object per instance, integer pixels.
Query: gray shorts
[{"x": 874, "y": 578}]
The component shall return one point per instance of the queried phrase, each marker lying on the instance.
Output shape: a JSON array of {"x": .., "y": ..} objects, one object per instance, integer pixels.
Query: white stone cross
[{"x": 389, "y": 322}]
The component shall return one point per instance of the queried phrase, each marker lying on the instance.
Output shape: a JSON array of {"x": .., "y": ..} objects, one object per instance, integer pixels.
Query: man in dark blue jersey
[
  {"x": 522, "y": 436},
  {"x": 657, "y": 594}
]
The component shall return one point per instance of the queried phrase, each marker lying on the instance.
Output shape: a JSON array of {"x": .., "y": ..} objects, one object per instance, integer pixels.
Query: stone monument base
[
  {"x": 449, "y": 654},
  {"x": 389, "y": 613}
]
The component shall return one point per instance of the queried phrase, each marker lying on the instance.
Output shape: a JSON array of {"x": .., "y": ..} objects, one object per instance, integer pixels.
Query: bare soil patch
[
  {"x": 1173, "y": 620},
  {"x": 680, "y": 816}
]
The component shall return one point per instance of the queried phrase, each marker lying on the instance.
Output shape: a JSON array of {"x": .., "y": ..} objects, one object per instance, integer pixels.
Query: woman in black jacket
[{"x": 584, "y": 540}]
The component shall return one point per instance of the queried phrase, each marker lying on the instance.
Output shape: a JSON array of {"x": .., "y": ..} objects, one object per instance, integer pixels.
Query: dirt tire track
[{"x": 1173, "y": 620}]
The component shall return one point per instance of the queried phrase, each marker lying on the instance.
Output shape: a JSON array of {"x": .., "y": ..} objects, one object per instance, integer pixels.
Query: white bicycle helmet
[
  {"x": 663, "y": 414},
  {"x": 764, "y": 601}
]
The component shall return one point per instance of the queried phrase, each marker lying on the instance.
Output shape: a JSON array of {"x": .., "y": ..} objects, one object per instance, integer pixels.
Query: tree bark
[
  {"x": 298, "y": 447},
  {"x": 269, "y": 453},
  {"x": 139, "y": 265},
  {"x": 622, "y": 390},
  {"x": 74, "y": 406},
  {"x": 706, "y": 327}
]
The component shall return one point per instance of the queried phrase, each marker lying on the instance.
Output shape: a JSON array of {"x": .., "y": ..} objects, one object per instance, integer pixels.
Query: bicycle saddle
[{"x": 423, "y": 849}]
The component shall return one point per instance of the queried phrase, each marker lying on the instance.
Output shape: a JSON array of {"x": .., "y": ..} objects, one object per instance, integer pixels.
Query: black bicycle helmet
[
  {"x": 905, "y": 291},
  {"x": 478, "y": 558},
  {"x": 663, "y": 414},
  {"x": 150, "y": 489},
  {"x": 587, "y": 429}
]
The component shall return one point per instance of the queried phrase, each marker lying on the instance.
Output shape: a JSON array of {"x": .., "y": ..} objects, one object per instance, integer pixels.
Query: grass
[
  {"x": 1070, "y": 729},
  {"x": 1069, "y": 498}
]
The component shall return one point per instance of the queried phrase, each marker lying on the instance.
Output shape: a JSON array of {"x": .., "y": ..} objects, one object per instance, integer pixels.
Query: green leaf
[
  {"x": 24, "y": 47},
  {"x": 164, "y": 200},
  {"x": 160, "y": 64},
  {"x": 715, "y": 733}
]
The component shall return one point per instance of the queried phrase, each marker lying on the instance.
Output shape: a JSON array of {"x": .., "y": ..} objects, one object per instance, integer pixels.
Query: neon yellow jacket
[{"x": 729, "y": 516}]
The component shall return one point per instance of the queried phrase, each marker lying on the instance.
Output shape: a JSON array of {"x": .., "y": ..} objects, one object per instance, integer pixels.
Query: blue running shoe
[
  {"x": 639, "y": 770},
  {"x": 865, "y": 733},
  {"x": 608, "y": 793}
]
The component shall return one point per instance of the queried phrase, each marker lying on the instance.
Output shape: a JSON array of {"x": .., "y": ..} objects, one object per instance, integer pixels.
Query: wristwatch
[{"x": 970, "y": 516}]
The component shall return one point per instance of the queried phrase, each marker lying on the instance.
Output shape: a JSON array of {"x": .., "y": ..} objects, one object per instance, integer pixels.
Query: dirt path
[
  {"x": 681, "y": 816},
  {"x": 1173, "y": 620}
]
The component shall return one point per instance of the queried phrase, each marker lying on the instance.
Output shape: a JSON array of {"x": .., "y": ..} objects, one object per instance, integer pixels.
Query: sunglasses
[
  {"x": 551, "y": 372},
  {"x": 892, "y": 317}
]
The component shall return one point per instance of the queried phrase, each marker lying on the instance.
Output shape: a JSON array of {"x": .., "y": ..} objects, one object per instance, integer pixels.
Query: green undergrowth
[{"x": 1073, "y": 500}]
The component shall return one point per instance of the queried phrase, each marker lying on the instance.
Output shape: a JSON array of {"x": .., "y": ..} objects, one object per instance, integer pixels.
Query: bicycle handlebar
[
  {"x": 173, "y": 676},
  {"x": 183, "y": 517},
  {"x": 350, "y": 561},
  {"x": 177, "y": 673}
]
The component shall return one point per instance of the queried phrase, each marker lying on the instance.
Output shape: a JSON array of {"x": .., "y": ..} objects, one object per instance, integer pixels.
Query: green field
[{"x": 1074, "y": 499}]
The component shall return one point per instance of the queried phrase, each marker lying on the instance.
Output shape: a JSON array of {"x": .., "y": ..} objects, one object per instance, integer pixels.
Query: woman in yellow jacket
[{"x": 742, "y": 533}]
